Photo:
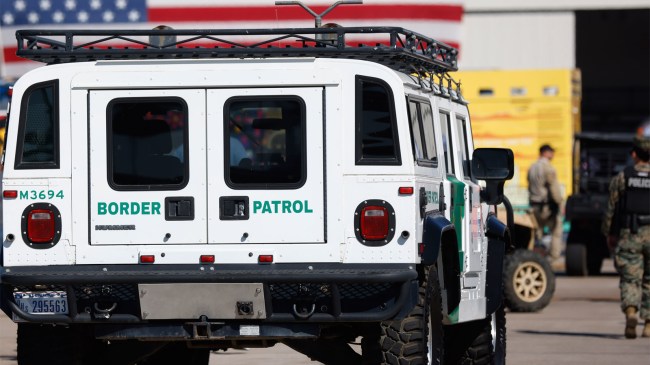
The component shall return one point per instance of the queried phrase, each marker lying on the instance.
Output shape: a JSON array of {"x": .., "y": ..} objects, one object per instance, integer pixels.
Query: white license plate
[{"x": 51, "y": 302}]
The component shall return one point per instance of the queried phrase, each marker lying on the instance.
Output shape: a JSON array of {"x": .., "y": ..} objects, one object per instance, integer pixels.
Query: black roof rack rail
[{"x": 397, "y": 48}]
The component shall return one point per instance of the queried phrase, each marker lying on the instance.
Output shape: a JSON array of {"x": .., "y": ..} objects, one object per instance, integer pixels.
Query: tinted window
[
  {"x": 376, "y": 131},
  {"x": 265, "y": 142},
  {"x": 147, "y": 141},
  {"x": 38, "y": 131}
]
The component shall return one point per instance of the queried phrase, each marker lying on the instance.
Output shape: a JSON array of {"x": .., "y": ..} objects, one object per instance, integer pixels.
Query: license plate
[{"x": 51, "y": 302}]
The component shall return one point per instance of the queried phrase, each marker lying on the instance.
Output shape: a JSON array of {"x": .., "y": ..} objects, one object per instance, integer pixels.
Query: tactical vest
[{"x": 637, "y": 192}]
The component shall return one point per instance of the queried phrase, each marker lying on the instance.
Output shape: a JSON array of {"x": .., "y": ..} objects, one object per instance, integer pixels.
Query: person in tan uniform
[{"x": 545, "y": 198}]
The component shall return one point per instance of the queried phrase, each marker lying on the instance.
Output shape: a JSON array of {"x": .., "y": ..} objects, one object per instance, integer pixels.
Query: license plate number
[{"x": 42, "y": 303}]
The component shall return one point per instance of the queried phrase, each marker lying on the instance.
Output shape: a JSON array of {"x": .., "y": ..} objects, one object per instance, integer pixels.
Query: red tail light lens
[
  {"x": 265, "y": 259},
  {"x": 207, "y": 259},
  {"x": 147, "y": 259},
  {"x": 41, "y": 226},
  {"x": 10, "y": 194},
  {"x": 374, "y": 223}
]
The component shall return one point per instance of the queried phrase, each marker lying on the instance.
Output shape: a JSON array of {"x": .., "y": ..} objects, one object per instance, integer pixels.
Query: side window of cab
[
  {"x": 38, "y": 131},
  {"x": 422, "y": 135}
]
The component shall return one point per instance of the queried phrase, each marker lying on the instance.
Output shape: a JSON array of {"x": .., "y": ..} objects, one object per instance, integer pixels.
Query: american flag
[{"x": 440, "y": 19}]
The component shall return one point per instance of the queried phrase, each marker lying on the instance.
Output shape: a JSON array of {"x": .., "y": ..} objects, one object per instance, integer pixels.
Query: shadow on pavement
[{"x": 571, "y": 334}]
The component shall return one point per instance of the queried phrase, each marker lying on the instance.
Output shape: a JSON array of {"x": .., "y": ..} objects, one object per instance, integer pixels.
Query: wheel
[
  {"x": 529, "y": 282},
  {"x": 56, "y": 345},
  {"x": 576, "y": 259},
  {"x": 416, "y": 339},
  {"x": 178, "y": 353},
  {"x": 594, "y": 261},
  {"x": 477, "y": 342}
]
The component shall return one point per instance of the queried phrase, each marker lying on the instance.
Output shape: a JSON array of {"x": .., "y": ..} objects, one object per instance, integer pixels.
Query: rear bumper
[{"x": 293, "y": 293}]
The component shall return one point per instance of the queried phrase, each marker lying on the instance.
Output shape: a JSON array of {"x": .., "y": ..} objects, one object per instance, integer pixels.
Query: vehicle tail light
[
  {"x": 265, "y": 259},
  {"x": 406, "y": 190},
  {"x": 41, "y": 226},
  {"x": 374, "y": 223},
  {"x": 147, "y": 259},
  {"x": 207, "y": 259},
  {"x": 10, "y": 194}
]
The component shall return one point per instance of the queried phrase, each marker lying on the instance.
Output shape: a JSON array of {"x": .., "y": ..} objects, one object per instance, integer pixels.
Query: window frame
[
  {"x": 303, "y": 141},
  {"x": 428, "y": 161},
  {"x": 109, "y": 145},
  {"x": 358, "y": 114},
  {"x": 22, "y": 125}
]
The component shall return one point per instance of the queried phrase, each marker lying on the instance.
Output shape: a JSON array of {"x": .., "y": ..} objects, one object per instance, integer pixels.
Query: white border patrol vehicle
[{"x": 189, "y": 190}]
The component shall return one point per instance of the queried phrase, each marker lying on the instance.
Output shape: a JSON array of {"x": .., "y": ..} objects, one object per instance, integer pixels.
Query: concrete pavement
[{"x": 582, "y": 325}]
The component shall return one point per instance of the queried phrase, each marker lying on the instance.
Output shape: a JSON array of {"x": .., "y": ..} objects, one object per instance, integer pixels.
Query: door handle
[
  {"x": 233, "y": 208},
  {"x": 179, "y": 208}
]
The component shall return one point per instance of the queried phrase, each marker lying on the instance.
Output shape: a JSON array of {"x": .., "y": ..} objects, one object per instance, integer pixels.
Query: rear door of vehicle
[
  {"x": 265, "y": 165},
  {"x": 147, "y": 167}
]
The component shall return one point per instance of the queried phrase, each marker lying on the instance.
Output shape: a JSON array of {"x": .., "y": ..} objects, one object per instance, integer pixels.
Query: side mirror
[{"x": 494, "y": 166}]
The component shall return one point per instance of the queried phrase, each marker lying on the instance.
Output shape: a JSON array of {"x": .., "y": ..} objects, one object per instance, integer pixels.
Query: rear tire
[
  {"x": 576, "y": 259},
  {"x": 528, "y": 281},
  {"x": 416, "y": 339},
  {"x": 56, "y": 345},
  {"x": 481, "y": 342}
]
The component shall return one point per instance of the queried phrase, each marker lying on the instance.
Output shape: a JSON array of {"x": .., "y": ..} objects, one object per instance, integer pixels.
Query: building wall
[{"x": 518, "y": 40}]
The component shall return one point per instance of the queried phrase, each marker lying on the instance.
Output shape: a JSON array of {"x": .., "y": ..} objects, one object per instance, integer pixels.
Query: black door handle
[{"x": 179, "y": 208}]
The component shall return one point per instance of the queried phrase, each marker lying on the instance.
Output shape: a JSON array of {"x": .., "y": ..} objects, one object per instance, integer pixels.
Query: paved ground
[{"x": 582, "y": 325}]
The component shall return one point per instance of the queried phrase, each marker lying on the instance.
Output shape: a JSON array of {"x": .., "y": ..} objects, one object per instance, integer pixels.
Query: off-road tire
[
  {"x": 412, "y": 340},
  {"x": 56, "y": 345},
  {"x": 576, "y": 259},
  {"x": 528, "y": 281},
  {"x": 481, "y": 342}
]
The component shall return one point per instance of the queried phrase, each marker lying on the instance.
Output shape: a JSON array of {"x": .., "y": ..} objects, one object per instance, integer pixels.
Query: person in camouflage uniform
[{"x": 627, "y": 226}]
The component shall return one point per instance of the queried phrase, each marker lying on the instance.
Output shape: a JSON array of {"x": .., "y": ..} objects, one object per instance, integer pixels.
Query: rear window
[
  {"x": 376, "y": 128},
  {"x": 38, "y": 133},
  {"x": 147, "y": 144},
  {"x": 265, "y": 142}
]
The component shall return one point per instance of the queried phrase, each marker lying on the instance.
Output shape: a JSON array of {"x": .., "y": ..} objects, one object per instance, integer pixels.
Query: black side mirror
[{"x": 494, "y": 166}]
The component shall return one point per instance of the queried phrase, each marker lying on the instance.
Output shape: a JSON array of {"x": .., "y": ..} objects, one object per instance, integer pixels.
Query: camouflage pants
[{"x": 633, "y": 265}]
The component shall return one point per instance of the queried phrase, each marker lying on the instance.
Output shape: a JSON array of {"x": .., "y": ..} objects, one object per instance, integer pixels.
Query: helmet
[{"x": 642, "y": 136}]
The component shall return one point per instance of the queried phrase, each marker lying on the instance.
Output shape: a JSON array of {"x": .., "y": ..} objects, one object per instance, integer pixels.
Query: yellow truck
[{"x": 521, "y": 110}]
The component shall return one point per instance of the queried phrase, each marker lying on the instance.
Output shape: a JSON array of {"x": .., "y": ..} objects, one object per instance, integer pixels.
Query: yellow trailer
[{"x": 521, "y": 110}]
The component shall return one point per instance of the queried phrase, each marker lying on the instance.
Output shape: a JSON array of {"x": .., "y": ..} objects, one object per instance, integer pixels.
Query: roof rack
[{"x": 397, "y": 48}]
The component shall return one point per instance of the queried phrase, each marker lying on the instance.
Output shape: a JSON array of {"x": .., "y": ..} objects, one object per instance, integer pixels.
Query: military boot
[
  {"x": 630, "y": 322},
  {"x": 646, "y": 329}
]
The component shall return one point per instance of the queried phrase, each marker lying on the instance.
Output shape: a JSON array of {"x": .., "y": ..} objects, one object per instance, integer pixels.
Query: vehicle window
[
  {"x": 426, "y": 115},
  {"x": 462, "y": 145},
  {"x": 416, "y": 132},
  {"x": 424, "y": 144},
  {"x": 147, "y": 143},
  {"x": 376, "y": 129},
  {"x": 38, "y": 133},
  {"x": 265, "y": 142},
  {"x": 445, "y": 123}
]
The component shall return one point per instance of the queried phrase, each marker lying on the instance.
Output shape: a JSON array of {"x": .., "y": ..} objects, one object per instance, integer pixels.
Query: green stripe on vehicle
[{"x": 457, "y": 214}]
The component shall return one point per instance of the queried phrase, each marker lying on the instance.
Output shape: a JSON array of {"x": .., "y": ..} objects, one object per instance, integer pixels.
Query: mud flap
[{"x": 498, "y": 235}]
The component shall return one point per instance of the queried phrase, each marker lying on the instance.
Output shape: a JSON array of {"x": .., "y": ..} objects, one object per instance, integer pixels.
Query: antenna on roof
[{"x": 318, "y": 18}]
